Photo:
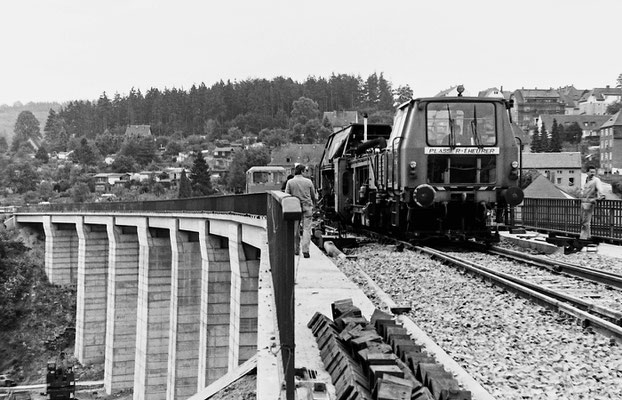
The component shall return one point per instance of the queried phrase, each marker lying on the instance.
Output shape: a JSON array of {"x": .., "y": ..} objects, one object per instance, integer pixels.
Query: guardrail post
[{"x": 284, "y": 212}]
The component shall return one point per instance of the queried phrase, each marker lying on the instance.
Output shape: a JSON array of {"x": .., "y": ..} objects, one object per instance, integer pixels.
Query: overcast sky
[{"x": 59, "y": 50}]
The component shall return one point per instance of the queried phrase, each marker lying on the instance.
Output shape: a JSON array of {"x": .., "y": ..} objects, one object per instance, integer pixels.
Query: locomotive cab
[
  {"x": 448, "y": 166},
  {"x": 457, "y": 165}
]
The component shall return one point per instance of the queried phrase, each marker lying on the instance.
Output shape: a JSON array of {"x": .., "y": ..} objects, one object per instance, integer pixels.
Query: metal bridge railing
[
  {"x": 254, "y": 203},
  {"x": 564, "y": 216},
  {"x": 283, "y": 214}
]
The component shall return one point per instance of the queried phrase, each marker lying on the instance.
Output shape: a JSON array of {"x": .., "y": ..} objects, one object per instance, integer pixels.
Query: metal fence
[{"x": 564, "y": 216}]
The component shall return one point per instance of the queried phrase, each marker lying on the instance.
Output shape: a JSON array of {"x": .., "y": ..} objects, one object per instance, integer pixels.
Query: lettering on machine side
[{"x": 462, "y": 150}]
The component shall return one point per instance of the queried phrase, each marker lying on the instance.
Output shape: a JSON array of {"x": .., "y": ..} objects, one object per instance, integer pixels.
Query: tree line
[{"x": 223, "y": 109}]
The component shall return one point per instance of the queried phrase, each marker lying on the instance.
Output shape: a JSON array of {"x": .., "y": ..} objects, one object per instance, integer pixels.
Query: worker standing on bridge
[
  {"x": 303, "y": 189},
  {"x": 591, "y": 192}
]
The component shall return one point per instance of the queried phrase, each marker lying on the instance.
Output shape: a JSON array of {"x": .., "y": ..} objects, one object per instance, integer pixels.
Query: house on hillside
[
  {"x": 341, "y": 119},
  {"x": 589, "y": 124},
  {"x": 289, "y": 155},
  {"x": 104, "y": 182},
  {"x": 562, "y": 169},
  {"x": 494, "y": 92},
  {"x": 136, "y": 131},
  {"x": 611, "y": 144},
  {"x": 595, "y": 101},
  {"x": 570, "y": 96},
  {"x": 529, "y": 104},
  {"x": 219, "y": 161}
]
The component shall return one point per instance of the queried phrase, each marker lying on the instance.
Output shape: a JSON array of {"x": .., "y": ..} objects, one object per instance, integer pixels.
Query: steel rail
[
  {"x": 537, "y": 293},
  {"x": 562, "y": 267}
]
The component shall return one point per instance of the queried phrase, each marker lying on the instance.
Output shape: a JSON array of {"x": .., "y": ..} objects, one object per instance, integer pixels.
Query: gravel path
[{"x": 514, "y": 348}]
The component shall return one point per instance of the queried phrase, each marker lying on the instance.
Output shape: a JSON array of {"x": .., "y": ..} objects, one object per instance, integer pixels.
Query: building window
[
  {"x": 571, "y": 172},
  {"x": 560, "y": 172},
  {"x": 570, "y": 181},
  {"x": 559, "y": 181}
]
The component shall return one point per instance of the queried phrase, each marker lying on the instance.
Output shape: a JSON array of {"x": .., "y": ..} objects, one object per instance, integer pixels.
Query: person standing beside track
[
  {"x": 303, "y": 189},
  {"x": 591, "y": 192}
]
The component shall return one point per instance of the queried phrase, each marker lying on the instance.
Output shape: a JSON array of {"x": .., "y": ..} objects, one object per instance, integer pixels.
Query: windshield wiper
[
  {"x": 476, "y": 138},
  {"x": 452, "y": 137}
]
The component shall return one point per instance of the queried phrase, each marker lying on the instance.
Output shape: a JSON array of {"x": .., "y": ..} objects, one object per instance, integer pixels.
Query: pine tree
[
  {"x": 200, "y": 177},
  {"x": 185, "y": 189},
  {"x": 556, "y": 140},
  {"x": 536, "y": 142},
  {"x": 544, "y": 139}
]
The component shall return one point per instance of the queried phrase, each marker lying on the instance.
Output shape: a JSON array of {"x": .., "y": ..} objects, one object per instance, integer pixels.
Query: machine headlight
[{"x": 514, "y": 164}]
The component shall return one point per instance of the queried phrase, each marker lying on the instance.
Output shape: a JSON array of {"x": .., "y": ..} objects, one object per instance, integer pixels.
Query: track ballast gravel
[{"x": 514, "y": 348}]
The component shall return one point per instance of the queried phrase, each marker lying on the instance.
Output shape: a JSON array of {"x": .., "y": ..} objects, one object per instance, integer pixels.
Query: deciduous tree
[
  {"x": 26, "y": 127},
  {"x": 242, "y": 161}
]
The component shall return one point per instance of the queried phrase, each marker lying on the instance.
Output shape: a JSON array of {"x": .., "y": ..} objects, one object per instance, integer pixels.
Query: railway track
[
  {"x": 599, "y": 317},
  {"x": 514, "y": 349},
  {"x": 592, "y": 274},
  {"x": 568, "y": 296}
]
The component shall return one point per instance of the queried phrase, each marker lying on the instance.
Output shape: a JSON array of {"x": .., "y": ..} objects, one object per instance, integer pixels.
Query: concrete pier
[
  {"x": 91, "y": 291},
  {"x": 61, "y": 250},
  {"x": 183, "y": 354},
  {"x": 122, "y": 307},
  {"x": 152, "y": 325}
]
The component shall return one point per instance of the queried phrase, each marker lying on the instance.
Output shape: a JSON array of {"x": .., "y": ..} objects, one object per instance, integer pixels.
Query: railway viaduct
[{"x": 170, "y": 300}]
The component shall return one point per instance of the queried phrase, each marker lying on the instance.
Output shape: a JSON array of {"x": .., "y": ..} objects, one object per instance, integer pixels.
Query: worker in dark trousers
[
  {"x": 303, "y": 189},
  {"x": 591, "y": 192}
]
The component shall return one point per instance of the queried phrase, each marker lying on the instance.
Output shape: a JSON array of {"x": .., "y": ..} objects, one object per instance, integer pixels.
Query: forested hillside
[
  {"x": 271, "y": 112},
  {"x": 247, "y": 106}
]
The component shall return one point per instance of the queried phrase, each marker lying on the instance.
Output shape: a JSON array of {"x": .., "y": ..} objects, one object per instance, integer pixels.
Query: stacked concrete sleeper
[{"x": 377, "y": 359}]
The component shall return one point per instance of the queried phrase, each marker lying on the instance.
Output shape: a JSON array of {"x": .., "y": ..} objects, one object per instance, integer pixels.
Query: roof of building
[
  {"x": 542, "y": 188},
  {"x": 593, "y": 121},
  {"x": 297, "y": 153},
  {"x": 571, "y": 95},
  {"x": 613, "y": 120},
  {"x": 522, "y": 94},
  {"x": 107, "y": 174},
  {"x": 265, "y": 168},
  {"x": 223, "y": 149},
  {"x": 600, "y": 93},
  {"x": 552, "y": 160},
  {"x": 138, "y": 130}
]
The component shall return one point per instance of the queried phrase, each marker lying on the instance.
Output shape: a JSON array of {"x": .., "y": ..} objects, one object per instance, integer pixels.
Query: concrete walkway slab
[{"x": 319, "y": 283}]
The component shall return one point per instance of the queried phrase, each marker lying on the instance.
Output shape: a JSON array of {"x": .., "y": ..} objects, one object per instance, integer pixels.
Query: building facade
[
  {"x": 597, "y": 100},
  {"x": 562, "y": 169},
  {"x": 611, "y": 144},
  {"x": 529, "y": 104}
]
